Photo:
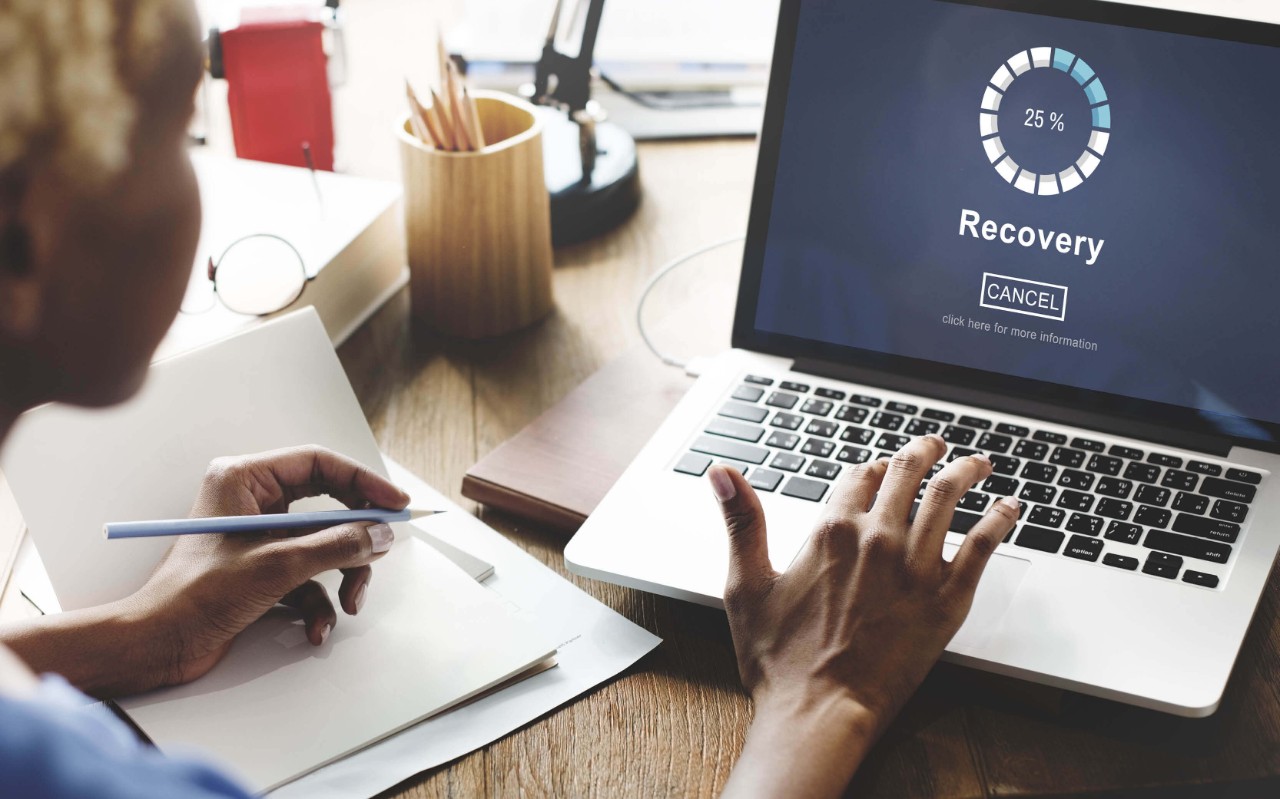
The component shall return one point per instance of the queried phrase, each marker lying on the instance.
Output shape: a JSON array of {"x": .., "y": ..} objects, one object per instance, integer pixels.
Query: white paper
[
  {"x": 428, "y": 638},
  {"x": 595, "y": 644}
]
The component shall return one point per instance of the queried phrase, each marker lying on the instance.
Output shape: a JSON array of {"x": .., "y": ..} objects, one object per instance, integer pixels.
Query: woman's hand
[
  {"x": 833, "y": 648},
  {"x": 208, "y": 588}
]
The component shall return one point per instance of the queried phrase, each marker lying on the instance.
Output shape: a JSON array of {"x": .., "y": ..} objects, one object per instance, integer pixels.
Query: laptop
[{"x": 1046, "y": 231}]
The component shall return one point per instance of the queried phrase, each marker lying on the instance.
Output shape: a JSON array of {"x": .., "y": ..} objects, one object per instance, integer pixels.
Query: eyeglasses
[{"x": 256, "y": 275}]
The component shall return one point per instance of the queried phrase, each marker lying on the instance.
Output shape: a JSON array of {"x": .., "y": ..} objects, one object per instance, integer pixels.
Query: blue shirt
[{"x": 58, "y": 745}]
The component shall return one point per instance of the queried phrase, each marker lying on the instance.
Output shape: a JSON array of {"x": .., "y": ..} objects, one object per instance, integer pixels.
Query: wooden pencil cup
[{"x": 478, "y": 225}]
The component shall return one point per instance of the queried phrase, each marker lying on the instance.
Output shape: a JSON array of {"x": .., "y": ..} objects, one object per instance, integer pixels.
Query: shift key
[{"x": 724, "y": 448}]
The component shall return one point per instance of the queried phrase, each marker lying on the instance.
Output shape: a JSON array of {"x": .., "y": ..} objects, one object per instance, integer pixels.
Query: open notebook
[{"x": 428, "y": 637}]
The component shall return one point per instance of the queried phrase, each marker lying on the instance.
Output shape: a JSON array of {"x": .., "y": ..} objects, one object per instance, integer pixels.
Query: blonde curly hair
[{"x": 69, "y": 72}]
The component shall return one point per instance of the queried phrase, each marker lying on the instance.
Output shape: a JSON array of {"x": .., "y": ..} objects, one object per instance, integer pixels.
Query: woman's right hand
[{"x": 832, "y": 648}]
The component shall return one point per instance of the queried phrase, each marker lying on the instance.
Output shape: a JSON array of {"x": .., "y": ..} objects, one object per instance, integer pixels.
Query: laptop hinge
[{"x": 1103, "y": 423}]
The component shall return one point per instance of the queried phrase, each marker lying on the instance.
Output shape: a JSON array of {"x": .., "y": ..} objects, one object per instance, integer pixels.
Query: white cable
[{"x": 657, "y": 278}]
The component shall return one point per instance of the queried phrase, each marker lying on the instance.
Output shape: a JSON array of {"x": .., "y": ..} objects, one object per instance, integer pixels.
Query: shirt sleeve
[{"x": 59, "y": 744}]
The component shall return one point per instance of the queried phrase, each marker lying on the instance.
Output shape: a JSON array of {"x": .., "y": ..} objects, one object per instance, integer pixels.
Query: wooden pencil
[
  {"x": 457, "y": 113},
  {"x": 473, "y": 118},
  {"x": 437, "y": 115},
  {"x": 417, "y": 120}
]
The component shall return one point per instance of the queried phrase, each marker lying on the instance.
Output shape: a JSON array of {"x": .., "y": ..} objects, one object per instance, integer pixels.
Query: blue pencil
[{"x": 258, "y": 524}]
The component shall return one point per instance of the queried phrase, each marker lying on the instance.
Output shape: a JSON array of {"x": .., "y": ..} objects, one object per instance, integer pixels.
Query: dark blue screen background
[{"x": 881, "y": 151}]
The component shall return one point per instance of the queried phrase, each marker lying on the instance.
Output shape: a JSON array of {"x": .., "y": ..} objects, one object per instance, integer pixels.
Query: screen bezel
[{"x": 1264, "y": 435}]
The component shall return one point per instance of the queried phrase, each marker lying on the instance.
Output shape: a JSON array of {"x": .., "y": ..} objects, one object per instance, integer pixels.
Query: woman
[{"x": 99, "y": 219}]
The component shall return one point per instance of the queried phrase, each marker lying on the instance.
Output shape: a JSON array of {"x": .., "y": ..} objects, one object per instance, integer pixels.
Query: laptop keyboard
[{"x": 1120, "y": 505}]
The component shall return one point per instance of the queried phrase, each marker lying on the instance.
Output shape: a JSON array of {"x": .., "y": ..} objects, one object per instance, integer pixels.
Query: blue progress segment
[{"x": 1062, "y": 60}]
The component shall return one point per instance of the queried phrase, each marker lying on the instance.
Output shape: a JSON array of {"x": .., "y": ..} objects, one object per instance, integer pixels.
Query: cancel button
[{"x": 1027, "y": 297}]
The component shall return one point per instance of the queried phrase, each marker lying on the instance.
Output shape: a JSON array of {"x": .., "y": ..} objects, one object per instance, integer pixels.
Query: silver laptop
[{"x": 1047, "y": 231}]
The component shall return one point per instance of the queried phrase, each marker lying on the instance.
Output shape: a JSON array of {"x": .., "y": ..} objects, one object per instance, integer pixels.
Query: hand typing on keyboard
[{"x": 832, "y": 648}]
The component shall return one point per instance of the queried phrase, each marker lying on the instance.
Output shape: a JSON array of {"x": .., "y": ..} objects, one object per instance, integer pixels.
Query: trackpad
[{"x": 999, "y": 583}]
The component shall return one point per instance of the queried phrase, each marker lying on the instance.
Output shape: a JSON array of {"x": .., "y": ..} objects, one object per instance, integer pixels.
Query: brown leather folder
[{"x": 557, "y": 469}]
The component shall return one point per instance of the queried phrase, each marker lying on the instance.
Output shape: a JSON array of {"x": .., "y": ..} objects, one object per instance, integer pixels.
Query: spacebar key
[
  {"x": 962, "y": 522},
  {"x": 710, "y": 445}
]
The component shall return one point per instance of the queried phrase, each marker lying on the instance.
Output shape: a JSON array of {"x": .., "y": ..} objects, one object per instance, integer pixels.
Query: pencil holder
[{"x": 478, "y": 225}]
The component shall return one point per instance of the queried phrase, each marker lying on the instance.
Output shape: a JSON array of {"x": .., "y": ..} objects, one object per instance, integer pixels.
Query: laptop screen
[{"x": 1088, "y": 201}]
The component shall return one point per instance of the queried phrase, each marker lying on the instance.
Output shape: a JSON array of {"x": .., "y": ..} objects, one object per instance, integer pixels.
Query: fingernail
[
  {"x": 722, "y": 484},
  {"x": 360, "y": 597},
  {"x": 1012, "y": 504},
  {"x": 382, "y": 537},
  {"x": 981, "y": 456},
  {"x": 324, "y": 632},
  {"x": 935, "y": 438}
]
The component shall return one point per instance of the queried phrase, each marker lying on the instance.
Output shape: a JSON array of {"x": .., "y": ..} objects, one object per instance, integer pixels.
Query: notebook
[{"x": 428, "y": 638}]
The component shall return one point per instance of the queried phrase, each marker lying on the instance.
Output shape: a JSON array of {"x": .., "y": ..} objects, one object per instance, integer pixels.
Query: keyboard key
[
  {"x": 1041, "y": 539},
  {"x": 1114, "y": 509},
  {"x": 922, "y": 427},
  {"x": 1031, "y": 449},
  {"x": 787, "y": 421},
  {"x": 731, "y": 429},
  {"x": 960, "y": 452},
  {"x": 1080, "y": 481},
  {"x": 902, "y": 407},
  {"x": 1142, "y": 472},
  {"x": 1089, "y": 549},
  {"x": 787, "y": 462},
  {"x": 741, "y": 467},
  {"x": 781, "y": 399},
  {"x": 1214, "y": 529},
  {"x": 748, "y": 394},
  {"x": 1001, "y": 464},
  {"x": 746, "y": 413},
  {"x": 1105, "y": 464},
  {"x": 1112, "y": 487},
  {"x": 779, "y": 440},
  {"x": 961, "y": 436},
  {"x": 891, "y": 443},
  {"x": 938, "y": 416},
  {"x": 799, "y": 388},
  {"x": 857, "y": 435},
  {"x": 819, "y": 447},
  {"x": 1153, "y": 495},
  {"x": 1161, "y": 565},
  {"x": 1241, "y": 476},
  {"x": 1120, "y": 561},
  {"x": 1074, "y": 500},
  {"x": 976, "y": 422},
  {"x": 1038, "y": 492},
  {"x": 824, "y": 470},
  {"x": 1200, "y": 467},
  {"x": 1050, "y": 438},
  {"x": 961, "y": 522},
  {"x": 1190, "y": 503},
  {"x": 691, "y": 463},
  {"x": 1228, "y": 489},
  {"x": 851, "y": 414},
  {"x": 1085, "y": 525},
  {"x": 1123, "y": 532},
  {"x": 724, "y": 448},
  {"x": 1047, "y": 517},
  {"x": 801, "y": 488},
  {"x": 822, "y": 427},
  {"x": 1040, "y": 472},
  {"x": 1187, "y": 546},
  {"x": 1183, "y": 481},
  {"x": 759, "y": 381},
  {"x": 765, "y": 480},
  {"x": 1152, "y": 517},
  {"x": 990, "y": 442},
  {"x": 1088, "y": 444},
  {"x": 1070, "y": 458},
  {"x": 887, "y": 421},
  {"x": 862, "y": 399},
  {"x": 1000, "y": 486},
  {"x": 854, "y": 455},
  {"x": 1229, "y": 511},
  {"x": 1125, "y": 452},
  {"x": 831, "y": 394},
  {"x": 817, "y": 407},
  {"x": 1164, "y": 460},
  {"x": 1013, "y": 430},
  {"x": 1200, "y": 579},
  {"x": 974, "y": 501}
]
